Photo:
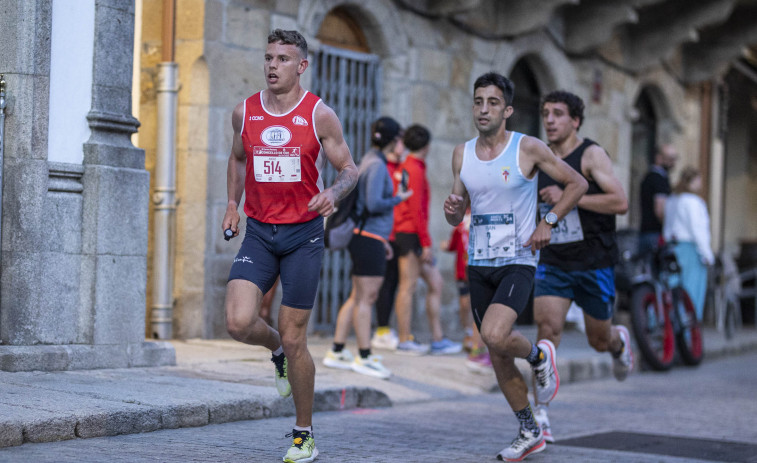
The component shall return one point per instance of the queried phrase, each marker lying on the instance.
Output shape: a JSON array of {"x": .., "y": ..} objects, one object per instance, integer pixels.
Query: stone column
[{"x": 75, "y": 236}]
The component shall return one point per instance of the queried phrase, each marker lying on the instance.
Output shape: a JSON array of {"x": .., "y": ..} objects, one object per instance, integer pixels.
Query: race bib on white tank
[{"x": 494, "y": 235}]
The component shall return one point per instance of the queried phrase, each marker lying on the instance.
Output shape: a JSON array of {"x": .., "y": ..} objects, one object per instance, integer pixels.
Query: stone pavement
[{"x": 217, "y": 381}]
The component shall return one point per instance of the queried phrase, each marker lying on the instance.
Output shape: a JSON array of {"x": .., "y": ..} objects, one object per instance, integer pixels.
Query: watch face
[{"x": 551, "y": 218}]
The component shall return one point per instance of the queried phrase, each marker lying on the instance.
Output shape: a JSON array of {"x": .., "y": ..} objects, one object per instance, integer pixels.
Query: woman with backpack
[{"x": 369, "y": 250}]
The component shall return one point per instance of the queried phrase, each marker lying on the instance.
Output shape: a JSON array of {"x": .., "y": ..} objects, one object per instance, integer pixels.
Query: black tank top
[{"x": 599, "y": 247}]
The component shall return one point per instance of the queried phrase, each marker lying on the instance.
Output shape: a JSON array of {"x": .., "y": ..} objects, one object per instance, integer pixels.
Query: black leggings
[{"x": 385, "y": 300}]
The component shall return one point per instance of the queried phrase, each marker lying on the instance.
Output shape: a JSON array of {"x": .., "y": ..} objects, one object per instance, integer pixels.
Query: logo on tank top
[
  {"x": 505, "y": 173},
  {"x": 299, "y": 120},
  {"x": 276, "y": 135}
]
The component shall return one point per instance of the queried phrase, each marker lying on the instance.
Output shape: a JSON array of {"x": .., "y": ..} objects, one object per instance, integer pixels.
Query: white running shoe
[
  {"x": 371, "y": 366},
  {"x": 387, "y": 340},
  {"x": 524, "y": 445},
  {"x": 412, "y": 348},
  {"x": 623, "y": 365},
  {"x": 545, "y": 373},
  {"x": 540, "y": 415},
  {"x": 342, "y": 360}
]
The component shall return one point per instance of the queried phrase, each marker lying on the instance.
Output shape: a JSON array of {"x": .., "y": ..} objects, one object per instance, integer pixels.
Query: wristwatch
[{"x": 551, "y": 219}]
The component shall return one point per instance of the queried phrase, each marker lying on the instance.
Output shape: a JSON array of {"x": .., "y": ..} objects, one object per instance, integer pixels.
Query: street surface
[{"x": 685, "y": 415}]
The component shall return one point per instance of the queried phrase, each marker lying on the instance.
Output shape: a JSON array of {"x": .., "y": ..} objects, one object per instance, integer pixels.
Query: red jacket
[
  {"x": 411, "y": 215},
  {"x": 458, "y": 243}
]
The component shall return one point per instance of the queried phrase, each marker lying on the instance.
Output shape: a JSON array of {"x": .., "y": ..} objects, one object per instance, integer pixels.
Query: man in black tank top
[{"x": 578, "y": 264}]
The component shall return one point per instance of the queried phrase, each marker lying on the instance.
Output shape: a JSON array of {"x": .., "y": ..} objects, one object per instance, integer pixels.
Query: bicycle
[{"x": 662, "y": 314}]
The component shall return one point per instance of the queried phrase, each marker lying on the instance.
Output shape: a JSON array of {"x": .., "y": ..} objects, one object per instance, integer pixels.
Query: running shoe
[
  {"x": 412, "y": 348},
  {"x": 371, "y": 366},
  {"x": 545, "y": 373},
  {"x": 480, "y": 363},
  {"x": 468, "y": 341},
  {"x": 623, "y": 365},
  {"x": 524, "y": 445},
  {"x": 342, "y": 360},
  {"x": 303, "y": 447},
  {"x": 540, "y": 415},
  {"x": 445, "y": 347},
  {"x": 280, "y": 373},
  {"x": 385, "y": 339}
]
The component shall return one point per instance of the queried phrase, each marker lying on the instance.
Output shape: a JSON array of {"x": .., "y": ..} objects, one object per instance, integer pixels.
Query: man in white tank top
[{"x": 496, "y": 173}]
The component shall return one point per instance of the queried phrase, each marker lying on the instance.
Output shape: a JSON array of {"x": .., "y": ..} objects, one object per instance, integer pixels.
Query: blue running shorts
[
  {"x": 294, "y": 251},
  {"x": 592, "y": 290}
]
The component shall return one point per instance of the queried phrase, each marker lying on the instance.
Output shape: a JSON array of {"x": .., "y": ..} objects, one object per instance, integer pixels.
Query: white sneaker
[
  {"x": 371, "y": 366},
  {"x": 342, "y": 360},
  {"x": 623, "y": 365},
  {"x": 545, "y": 373},
  {"x": 387, "y": 340},
  {"x": 412, "y": 348},
  {"x": 540, "y": 415},
  {"x": 524, "y": 445}
]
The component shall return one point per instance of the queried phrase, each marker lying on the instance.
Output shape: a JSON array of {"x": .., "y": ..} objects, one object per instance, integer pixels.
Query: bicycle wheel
[
  {"x": 688, "y": 331},
  {"x": 652, "y": 328}
]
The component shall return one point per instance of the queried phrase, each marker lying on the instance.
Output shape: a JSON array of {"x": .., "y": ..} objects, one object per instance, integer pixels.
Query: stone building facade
[
  {"x": 643, "y": 76},
  {"x": 78, "y": 219}
]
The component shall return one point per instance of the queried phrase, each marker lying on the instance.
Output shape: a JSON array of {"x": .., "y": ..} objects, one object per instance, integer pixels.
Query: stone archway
[
  {"x": 528, "y": 92},
  {"x": 379, "y": 20}
]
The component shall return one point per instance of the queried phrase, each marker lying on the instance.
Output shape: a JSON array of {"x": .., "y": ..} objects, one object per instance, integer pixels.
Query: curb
[{"x": 131, "y": 418}]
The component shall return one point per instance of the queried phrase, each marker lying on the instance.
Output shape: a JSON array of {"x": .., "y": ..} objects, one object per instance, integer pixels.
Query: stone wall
[
  {"x": 428, "y": 71},
  {"x": 74, "y": 236}
]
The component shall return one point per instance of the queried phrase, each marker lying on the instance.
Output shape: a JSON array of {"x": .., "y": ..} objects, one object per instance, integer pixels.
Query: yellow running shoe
[{"x": 303, "y": 448}]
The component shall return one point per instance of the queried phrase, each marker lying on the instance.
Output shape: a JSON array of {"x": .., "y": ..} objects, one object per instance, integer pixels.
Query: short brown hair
[{"x": 290, "y": 38}]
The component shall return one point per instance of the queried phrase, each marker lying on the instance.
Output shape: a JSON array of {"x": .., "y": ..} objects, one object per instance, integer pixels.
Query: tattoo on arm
[{"x": 344, "y": 182}]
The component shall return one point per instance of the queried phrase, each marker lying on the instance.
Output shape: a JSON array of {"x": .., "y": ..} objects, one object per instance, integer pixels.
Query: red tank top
[{"x": 283, "y": 161}]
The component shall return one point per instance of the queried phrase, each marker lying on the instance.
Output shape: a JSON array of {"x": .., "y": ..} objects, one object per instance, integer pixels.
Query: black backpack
[{"x": 341, "y": 224}]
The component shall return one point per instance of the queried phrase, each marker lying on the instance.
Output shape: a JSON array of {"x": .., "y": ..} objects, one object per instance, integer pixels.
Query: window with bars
[{"x": 349, "y": 82}]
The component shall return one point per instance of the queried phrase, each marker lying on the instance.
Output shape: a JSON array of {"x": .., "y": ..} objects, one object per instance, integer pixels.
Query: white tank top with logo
[{"x": 503, "y": 207}]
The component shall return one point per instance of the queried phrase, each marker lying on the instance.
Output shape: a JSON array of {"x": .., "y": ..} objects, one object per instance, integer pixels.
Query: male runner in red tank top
[{"x": 280, "y": 137}]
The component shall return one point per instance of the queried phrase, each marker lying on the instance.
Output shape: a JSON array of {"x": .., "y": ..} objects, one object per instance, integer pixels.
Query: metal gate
[{"x": 349, "y": 82}]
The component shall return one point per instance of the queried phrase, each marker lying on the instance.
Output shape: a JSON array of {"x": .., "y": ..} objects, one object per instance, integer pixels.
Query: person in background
[
  {"x": 415, "y": 254},
  {"x": 655, "y": 188},
  {"x": 385, "y": 337},
  {"x": 369, "y": 250},
  {"x": 687, "y": 226}
]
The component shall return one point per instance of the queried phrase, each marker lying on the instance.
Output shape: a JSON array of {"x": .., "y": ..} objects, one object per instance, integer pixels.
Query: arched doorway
[
  {"x": 643, "y": 143},
  {"x": 347, "y": 77},
  {"x": 526, "y": 117}
]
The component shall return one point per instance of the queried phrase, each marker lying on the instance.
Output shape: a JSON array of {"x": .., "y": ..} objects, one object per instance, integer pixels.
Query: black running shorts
[{"x": 509, "y": 285}]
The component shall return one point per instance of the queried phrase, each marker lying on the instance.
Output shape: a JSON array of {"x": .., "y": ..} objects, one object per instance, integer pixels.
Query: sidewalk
[{"x": 217, "y": 381}]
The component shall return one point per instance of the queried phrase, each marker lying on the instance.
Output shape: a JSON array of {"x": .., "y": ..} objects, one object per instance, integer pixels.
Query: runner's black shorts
[
  {"x": 407, "y": 243},
  {"x": 509, "y": 285},
  {"x": 368, "y": 256},
  {"x": 294, "y": 251}
]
